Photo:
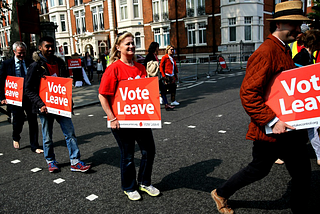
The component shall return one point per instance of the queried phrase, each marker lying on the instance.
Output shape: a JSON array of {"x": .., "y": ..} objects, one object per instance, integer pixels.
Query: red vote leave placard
[
  {"x": 136, "y": 103},
  {"x": 294, "y": 96},
  {"x": 14, "y": 90},
  {"x": 73, "y": 64},
  {"x": 56, "y": 93}
]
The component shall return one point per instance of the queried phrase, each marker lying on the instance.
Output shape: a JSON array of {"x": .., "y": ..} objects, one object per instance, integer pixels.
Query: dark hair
[
  {"x": 153, "y": 47},
  {"x": 311, "y": 39},
  {"x": 273, "y": 26},
  {"x": 46, "y": 39}
]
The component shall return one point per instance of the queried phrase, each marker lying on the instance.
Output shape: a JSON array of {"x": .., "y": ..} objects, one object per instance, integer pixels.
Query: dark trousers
[
  {"x": 291, "y": 148},
  {"x": 126, "y": 140},
  {"x": 90, "y": 72},
  {"x": 168, "y": 89},
  {"x": 18, "y": 122}
]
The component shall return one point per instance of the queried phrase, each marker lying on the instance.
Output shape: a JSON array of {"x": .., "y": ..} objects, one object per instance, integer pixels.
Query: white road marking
[
  {"x": 191, "y": 127},
  {"x": 58, "y": 181},
  {"x": 36, "y": 169},
  {"x": 1, "y": 154},
  {"x": 92, "y": 197},
  {"x": 167, "y": 123},
  {"x": 15, "y": 161},
  {"x": 219, "y": 115},
  {"x": 222, "y": 131},
  {"x": 90, "y": 115}
]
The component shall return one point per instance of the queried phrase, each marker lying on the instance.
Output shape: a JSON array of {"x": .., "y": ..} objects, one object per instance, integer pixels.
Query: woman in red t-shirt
[{"x": 123, "y": 67}]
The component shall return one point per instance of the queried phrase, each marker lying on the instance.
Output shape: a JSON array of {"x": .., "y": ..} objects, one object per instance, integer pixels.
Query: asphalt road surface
[{"x": 201, "y": 144}]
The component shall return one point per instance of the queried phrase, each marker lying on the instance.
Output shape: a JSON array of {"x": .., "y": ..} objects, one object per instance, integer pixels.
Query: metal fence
[{"x": 191, "y": 69}]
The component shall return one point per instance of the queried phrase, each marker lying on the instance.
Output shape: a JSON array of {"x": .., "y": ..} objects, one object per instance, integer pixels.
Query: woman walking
[{"x": 123, "y": 67}]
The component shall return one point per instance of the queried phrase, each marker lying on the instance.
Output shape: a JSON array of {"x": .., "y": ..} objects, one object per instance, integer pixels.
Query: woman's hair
[
  {"x": 311, "y": 39},
  {"x": 153, "y": 47},
  {"x": 168, "y": 47},
  {"x": 115, "y": 54}
]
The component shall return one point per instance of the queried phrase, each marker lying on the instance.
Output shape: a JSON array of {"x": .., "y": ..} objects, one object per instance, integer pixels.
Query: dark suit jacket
[{"x": 8, "y": 68}]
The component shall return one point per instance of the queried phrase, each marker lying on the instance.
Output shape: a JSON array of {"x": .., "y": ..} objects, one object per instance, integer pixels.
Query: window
[
  {"x": 51, "y": 3},
  {"x": 309, "y": 3},
  {"x": 232, "y": 29},
  {"x": 83, "y": 21},
  {"x": 65, "y": 48},
  {"x": 138, "y": 40},
  {"x": 191, "y": 34},
  {"x": 135, "y": 8},
  {"x": 165, "y": 11},
  {"x": 80, "y": 21},
  {"x": 202, "y": 33},
  {"x": 247, "y": 28},
  {"x": 259, "y": 33},
  {"x": 155, "y": 10},
  {"x": 7, "y": 18},
  {"x": 157, "y": 36},
  {"x": 78, "y": 2},
  {"x": 277, "y": 1},
  {"x": 123, "y": 9},
  {"x": 60, "y": 2},
  {"x": 195, "y": 8},
  {"x": 43, "y": 6},
  {"x": 101, "y": 21},
  {"x": 166, "y": 37},
  {"x": 231, "y": 0},
  {"x": 63, "y": 23},
  {"x": 54, "y": 20},
  {"x": 95, "y": 19}
]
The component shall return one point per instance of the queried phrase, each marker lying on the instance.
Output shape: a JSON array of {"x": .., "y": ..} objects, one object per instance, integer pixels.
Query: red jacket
[
  {"x": 166, "y": 66},
  {"x": 268, "y": 60}
]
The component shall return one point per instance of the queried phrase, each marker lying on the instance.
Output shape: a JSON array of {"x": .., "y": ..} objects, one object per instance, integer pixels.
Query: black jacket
[
  {"x": 8, "y": 68},
  {"x": 36, "y": 71},
  {"x": 303, "y": 58}
]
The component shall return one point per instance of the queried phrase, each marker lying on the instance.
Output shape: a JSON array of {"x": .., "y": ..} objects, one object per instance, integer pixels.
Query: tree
[{"x": 315, "y": 15}]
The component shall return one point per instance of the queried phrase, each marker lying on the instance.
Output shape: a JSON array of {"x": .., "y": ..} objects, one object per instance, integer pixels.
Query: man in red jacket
[{"x": 271, "y": 58}]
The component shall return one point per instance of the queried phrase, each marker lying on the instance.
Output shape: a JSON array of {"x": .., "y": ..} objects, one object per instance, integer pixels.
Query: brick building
[{"x": 197, "y": 28}]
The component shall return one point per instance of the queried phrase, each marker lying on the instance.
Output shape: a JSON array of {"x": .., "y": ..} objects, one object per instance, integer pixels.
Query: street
[{"x": 201, "y": 144}]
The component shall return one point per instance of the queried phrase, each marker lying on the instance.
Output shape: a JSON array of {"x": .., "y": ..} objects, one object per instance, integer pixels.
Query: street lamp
[{"x": 241, "y": 49}]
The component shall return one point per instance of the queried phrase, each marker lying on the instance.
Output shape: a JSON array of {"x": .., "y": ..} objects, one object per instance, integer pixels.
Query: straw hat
[{"x": 289, "y": 10}]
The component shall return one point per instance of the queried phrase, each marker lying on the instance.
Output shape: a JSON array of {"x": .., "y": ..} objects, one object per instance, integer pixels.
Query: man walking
[
  {"x": 47, "y": 64},
  {"x": 17, "y": 66},
  {"x": 271, "y": 58}
]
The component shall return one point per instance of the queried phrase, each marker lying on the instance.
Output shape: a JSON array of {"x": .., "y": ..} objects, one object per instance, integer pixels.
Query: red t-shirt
[
  {"x": 118, "y": 71},
  {"x": 53, "y": 69}
]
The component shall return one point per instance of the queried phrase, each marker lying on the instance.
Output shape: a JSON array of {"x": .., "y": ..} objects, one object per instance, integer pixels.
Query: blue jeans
[
  {"x": 126, "y": 140},
  {"x": 68, "y": 132}
]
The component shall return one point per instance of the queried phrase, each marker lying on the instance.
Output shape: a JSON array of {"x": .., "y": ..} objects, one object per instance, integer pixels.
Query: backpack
[{"x": 152, "y": 68}]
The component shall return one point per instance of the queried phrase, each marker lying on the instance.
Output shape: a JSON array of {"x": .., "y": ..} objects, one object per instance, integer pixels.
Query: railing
[{"x": 191, "y": 69}]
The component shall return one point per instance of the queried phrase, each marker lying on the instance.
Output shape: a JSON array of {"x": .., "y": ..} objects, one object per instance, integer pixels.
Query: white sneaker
[
  {"x": 133, "y": 196},
  {"x": 161, "y": 101},
  {"x": 175, "y": 103},
  {"x": 151, "y": 190}
]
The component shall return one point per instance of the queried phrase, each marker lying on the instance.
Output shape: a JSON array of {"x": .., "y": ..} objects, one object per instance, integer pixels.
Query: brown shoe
[
  {"x": 279, "y": 161},
  {"x": 221, "y": 203}
]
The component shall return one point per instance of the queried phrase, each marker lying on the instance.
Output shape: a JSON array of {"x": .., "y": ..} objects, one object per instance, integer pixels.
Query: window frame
[{"x": 232, "y": 29}]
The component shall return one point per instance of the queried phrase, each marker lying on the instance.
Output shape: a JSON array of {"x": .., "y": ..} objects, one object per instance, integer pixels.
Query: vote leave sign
[
  {"x": 73, "y": 64},
  {"x": 294, "y": 96},
  {"x": 56, "y": 93},
  {"x": 136, "y": 103},
  {"x": 14, "y": 90}
]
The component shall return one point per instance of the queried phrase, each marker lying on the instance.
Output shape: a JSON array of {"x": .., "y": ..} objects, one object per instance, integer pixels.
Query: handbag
[{"x": 152, "y": 68}]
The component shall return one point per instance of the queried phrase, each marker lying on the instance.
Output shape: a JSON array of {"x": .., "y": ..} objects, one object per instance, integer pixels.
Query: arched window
[
  {"x": 138, "y": 40},
  {"x": 65, "y": 48}
]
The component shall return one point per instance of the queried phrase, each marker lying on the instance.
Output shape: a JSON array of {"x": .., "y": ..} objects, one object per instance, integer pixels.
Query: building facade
[{"x": 196, "y": 28}]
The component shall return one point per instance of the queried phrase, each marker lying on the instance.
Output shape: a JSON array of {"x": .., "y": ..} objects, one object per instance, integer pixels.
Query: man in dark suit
[{"x": 17, "y": 66}]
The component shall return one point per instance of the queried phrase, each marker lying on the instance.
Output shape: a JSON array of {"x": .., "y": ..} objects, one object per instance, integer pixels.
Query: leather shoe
[
  {"x": 318, "y": 162},
  {"x": 279, "y": 161},
  {"x": 221, "y": 203}
]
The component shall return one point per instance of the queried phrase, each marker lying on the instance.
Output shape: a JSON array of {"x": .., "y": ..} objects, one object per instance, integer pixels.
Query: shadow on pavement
[{"x": 192, "y": 177}]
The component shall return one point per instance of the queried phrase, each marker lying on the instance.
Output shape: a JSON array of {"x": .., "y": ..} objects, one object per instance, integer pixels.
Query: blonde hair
[
  {"x": 114, "y": 53},
  {"x": 168, "y": 47}
]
